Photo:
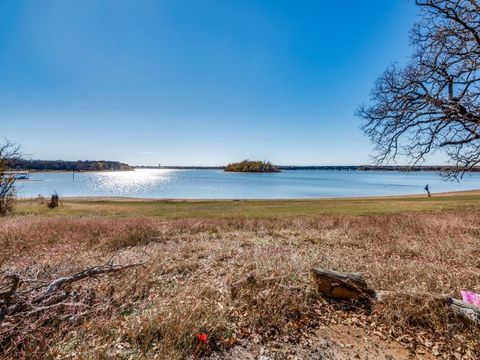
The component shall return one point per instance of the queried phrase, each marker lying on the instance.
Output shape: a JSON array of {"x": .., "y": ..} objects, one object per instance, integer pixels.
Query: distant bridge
[{"x": 403, "y": 168}]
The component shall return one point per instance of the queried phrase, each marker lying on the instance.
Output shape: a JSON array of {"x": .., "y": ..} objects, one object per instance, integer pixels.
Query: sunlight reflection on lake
[
  {"x": 216, "y": 184},
  {"x": 124, "y": 182}
]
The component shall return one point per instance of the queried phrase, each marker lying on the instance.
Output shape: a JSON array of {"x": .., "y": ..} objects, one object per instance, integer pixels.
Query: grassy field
[
  {"x": 171, "y": 209},
  {"x": 196, "y": 252}
]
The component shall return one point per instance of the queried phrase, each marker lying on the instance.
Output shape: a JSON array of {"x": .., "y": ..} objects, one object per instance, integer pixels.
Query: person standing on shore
[{"x": 427, "y": 189}]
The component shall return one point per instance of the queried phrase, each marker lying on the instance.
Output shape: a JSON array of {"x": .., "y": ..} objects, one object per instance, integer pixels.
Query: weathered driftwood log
[
  {"x": 25, "y": 301},
  {"x": 341, "y": 285},
  {"x": 464, "y": 310},
  {"x": 29, "y": 305}
]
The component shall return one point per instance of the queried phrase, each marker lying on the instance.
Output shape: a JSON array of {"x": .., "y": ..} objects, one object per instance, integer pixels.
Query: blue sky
[{"x": 195, "y": 82}]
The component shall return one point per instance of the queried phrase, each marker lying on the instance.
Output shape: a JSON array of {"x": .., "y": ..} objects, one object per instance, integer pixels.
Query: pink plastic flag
[{"x": 470, "y": 297}]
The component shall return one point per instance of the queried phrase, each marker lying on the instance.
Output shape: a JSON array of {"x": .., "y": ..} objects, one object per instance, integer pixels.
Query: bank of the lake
[{"x": 168, "y": 209}]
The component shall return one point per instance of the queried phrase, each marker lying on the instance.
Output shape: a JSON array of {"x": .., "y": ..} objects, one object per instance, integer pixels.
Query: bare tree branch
[
  {"x": 433, "y": 103},
  {"x": 26, "y": 304}
]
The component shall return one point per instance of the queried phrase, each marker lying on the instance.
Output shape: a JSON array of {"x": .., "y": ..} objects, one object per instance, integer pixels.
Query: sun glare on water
[{"x": 140, "y": 180}]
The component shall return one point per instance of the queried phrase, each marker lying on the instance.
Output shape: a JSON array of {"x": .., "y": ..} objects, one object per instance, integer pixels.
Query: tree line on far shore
[{"x": 62, "y": 165}]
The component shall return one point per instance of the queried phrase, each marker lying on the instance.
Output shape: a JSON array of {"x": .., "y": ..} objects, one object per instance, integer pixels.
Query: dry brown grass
[{"x": 185, "y": 288}]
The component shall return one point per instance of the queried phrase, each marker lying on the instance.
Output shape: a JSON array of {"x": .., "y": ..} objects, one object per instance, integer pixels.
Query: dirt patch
[{"x": 336, "y": 342}]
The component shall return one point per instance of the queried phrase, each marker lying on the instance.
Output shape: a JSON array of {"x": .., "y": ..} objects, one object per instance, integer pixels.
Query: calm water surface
[{"x": 216, "y": 184}]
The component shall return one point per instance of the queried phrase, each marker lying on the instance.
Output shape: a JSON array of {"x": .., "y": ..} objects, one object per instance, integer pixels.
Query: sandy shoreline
[{"x": 379, "y": 197}]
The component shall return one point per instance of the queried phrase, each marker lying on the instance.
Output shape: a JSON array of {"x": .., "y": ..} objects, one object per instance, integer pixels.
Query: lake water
[{"x": 216, "y": 184}]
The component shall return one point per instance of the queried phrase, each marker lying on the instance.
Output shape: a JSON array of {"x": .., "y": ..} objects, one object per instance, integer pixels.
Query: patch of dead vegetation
[{"x": 186, "y": 287}]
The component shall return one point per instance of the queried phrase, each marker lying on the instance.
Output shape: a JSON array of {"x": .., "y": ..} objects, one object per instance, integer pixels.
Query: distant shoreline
[
  {"x": 67, "y": 165},
  {"x": 402, "y": 168},
  {"x": 74, "y": 171},
  {"x": 363, "y": 168}
]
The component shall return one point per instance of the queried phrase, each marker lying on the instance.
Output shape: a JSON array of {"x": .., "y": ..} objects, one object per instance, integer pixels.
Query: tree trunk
[{"x": 340, "y": 285}]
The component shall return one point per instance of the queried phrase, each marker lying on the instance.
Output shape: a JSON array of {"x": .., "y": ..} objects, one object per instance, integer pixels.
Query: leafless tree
[
  {"x": 9, "y": 153},
  {"x": 432, "y": 103}
]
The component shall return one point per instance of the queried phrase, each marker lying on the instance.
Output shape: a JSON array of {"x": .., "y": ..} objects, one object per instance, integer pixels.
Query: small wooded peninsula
[{"x": 252, "y": 167}]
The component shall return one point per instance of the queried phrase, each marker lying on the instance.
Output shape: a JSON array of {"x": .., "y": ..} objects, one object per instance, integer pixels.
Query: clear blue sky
[{"x": 195, "y": 82}]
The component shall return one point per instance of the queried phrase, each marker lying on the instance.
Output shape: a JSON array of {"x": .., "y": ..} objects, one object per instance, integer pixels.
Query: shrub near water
[{"x": 7, "y": 204}]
